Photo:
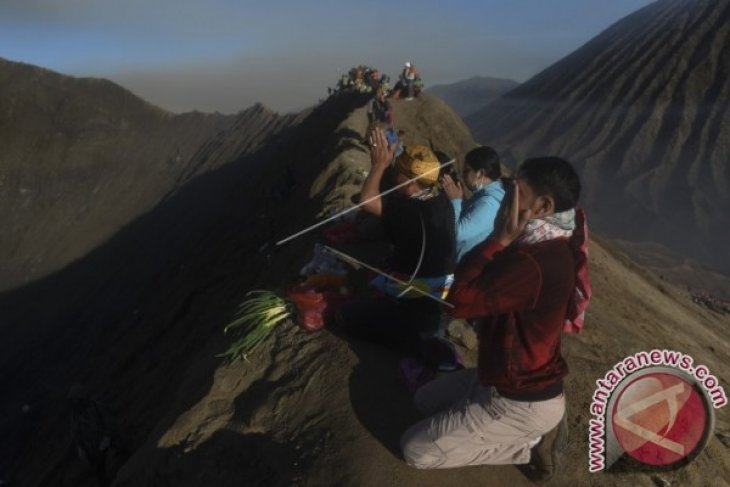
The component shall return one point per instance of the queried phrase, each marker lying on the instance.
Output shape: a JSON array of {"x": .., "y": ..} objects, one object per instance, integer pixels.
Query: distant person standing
[
  {"x": 408, "y": 79},
  {"x": 475, "y": 216}
]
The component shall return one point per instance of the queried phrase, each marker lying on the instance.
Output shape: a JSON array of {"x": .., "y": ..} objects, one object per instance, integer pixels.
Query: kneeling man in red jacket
[{"x": 517, "y": 285}]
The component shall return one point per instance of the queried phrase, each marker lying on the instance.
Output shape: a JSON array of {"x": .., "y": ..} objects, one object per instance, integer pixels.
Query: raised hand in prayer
[
  {"x": 452, "y": 189},
  {"x": 381, "y": 154},
  {"x": 511, "y": 220}
]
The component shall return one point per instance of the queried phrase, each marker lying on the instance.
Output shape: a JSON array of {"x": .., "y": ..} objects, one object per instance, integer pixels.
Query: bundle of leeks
[{"x": 257, "y": 315}]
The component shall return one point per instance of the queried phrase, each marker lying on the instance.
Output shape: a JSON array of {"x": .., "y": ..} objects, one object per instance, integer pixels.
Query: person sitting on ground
[
  {"x": 475, "y": 216},
  {"x": 420, "y": 224},
  {"x": 379, "y": 108},
  {"x": 518, "y": 284}
]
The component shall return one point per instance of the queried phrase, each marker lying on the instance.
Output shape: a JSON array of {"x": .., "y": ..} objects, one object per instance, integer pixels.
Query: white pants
[{"x": 474, "y": 425}]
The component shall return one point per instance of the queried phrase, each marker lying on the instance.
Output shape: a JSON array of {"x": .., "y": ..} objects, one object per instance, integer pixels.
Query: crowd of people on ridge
[
  {"x": 366, "y": 79},
  {"x": 361, "y": 79}
]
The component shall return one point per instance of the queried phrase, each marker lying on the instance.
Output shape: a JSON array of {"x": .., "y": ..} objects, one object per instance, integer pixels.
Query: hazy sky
[{"x": 225, "y": 55}]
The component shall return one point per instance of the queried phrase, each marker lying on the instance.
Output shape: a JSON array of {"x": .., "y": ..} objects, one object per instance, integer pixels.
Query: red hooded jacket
[{"x": 520, "y": 297}]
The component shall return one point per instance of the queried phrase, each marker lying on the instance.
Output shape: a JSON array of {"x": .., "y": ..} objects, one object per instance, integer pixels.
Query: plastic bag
[
  {"x": 310, "y": 308},
  {"x": 315, "y": 305}
]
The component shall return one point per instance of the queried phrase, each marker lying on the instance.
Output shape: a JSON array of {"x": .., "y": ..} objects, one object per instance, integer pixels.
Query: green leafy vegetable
[{"x": 254, "y": 320}]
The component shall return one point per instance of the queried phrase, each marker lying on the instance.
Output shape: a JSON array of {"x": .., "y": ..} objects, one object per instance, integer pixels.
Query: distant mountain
[
  {"x": 643, "y": 110},
  {"x": 80, "y": 158},
  {"x": 471, "y": 95}
]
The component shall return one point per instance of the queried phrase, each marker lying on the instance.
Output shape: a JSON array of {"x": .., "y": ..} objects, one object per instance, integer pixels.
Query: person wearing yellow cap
[{"x": 420, "y": 224}]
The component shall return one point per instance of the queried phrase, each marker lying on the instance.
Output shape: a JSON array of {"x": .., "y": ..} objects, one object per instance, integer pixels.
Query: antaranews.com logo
[{"x": 655, "y": 407}]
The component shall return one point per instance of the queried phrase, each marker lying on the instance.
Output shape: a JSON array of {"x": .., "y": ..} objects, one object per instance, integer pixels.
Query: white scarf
[{"x": 554, "y": 226}]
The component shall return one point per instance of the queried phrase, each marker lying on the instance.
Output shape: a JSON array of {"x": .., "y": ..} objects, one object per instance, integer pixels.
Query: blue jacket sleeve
[{"x": 479, "y": 220}]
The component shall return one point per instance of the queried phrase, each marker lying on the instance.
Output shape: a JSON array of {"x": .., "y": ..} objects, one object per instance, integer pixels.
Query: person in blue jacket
[{"x": 475, "y": 216}]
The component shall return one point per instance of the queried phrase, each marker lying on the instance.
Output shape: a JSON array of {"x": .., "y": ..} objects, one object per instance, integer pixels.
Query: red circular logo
[{"x": 660, "y": 419}]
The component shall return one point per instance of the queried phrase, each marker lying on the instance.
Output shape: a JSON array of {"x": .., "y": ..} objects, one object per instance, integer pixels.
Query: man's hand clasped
[{"x": 453, "y": 189}]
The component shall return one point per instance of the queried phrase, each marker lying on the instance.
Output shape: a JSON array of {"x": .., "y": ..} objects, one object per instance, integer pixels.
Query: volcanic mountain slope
[
  {"x": 324, "y": 409},
  {"x": 130, "y": 317},
  {"x": 139, "y": 320},
  {"x": 80, "y": 158},
  {"x": 643, "y": 110},
  {"x": 471, "y": 95}
]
